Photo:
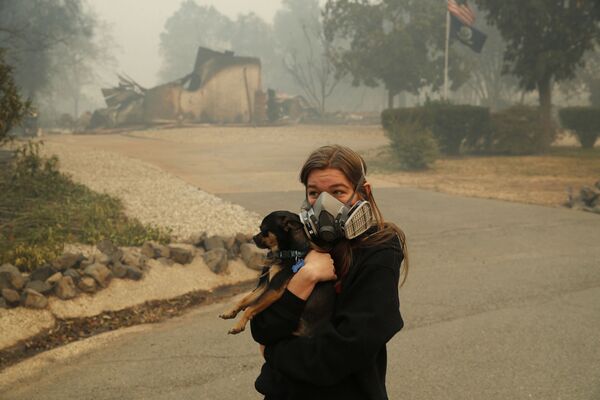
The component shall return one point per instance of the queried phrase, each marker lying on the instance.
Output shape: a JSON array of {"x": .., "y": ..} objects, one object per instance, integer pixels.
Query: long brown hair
[{"x": 352, "y": 165}]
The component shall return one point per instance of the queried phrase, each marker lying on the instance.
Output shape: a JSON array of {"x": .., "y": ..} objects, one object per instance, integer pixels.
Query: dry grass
[{"x": 542, "y": 179}]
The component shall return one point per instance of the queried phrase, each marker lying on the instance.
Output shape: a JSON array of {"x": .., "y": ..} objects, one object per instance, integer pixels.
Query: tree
[
  {"x": 546, "y": 42},
  {"x": 55, "y": 48},
  {"x": 397, "y": 44},
  {"x": 587, "y": 79},
  {"x": 304, "y": 51},
  {"x": 486, "y": 81},
  {"x": 12, "y": 108},
  {"x": 252, "y": 36},
  {"x": 32, "y": 30},
  {"x": 190, "y": 27},
  {"x": 79, "y": 61}
]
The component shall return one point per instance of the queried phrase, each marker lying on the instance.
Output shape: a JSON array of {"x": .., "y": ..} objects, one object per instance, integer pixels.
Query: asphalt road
[{"x": 502, "y": 302}]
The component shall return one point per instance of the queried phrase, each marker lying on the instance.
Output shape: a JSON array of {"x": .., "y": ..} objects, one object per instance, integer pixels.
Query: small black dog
[{"x": 283, "y": 234}]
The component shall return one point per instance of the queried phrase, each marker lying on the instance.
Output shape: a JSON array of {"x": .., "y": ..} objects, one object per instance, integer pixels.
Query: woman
[{"x": 346, "y": 359}]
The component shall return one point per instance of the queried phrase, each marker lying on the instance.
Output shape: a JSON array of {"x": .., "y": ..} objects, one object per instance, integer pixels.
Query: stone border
[
  {"x": 70, "y": 310},
  {"x": 75, "y": 273}
]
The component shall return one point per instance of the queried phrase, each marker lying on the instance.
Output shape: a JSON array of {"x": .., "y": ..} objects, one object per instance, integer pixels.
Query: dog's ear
[{"x": 290, "y": 224}]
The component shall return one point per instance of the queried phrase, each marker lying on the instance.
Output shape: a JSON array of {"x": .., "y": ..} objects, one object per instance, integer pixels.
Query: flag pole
[{"x": 446, "y": 54}]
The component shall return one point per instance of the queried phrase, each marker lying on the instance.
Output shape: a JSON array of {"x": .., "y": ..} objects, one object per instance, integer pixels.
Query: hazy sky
[{"x": 137, "y": 24}]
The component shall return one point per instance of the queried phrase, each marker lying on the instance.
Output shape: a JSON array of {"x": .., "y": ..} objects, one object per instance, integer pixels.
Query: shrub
[
  {"x": 12, "y": 108},
  {"x": 456, "y": 124},
  {"x": 517, "y": 131},
  {"x": 452, "y": 125},
  {"x": 584, "y": 121},
  {"x": 413, "y": 146}
]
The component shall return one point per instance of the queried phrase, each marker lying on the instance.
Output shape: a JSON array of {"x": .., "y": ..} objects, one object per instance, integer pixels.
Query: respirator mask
[{"x": 329, "y": 219}]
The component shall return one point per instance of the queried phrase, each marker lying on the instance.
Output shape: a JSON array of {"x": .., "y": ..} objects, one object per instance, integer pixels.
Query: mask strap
[{"x": 361, "y": 182}]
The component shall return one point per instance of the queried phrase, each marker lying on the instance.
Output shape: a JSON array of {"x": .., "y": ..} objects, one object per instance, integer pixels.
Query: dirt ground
[{"x": 540, "y": 179}]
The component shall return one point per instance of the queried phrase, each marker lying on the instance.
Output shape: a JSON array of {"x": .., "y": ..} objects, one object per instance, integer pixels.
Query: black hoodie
[{"x": 347, "y": 359}]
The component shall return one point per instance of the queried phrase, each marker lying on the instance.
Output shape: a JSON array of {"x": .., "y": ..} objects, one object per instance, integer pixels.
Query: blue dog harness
[{"x": 297, "y": 255}]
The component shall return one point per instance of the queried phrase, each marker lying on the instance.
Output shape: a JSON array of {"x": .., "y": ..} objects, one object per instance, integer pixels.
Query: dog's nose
[{"x": 257, "y": 240}]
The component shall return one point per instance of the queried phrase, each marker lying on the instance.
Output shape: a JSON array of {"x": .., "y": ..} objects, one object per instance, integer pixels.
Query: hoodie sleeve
[{"x": 279, "y": 320}]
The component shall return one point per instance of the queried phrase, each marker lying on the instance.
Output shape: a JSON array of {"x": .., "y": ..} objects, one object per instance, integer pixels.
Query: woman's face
[{"x": 332, "y": 181}]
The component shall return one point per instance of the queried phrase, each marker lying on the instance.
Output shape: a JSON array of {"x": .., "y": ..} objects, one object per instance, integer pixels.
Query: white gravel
[{"x": 152, "y": 195}]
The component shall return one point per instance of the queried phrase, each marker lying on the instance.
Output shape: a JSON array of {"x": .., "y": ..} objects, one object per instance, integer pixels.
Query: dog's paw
[
  {"x": 236, "y": 330},
  {"x": 229, "y": 315}
]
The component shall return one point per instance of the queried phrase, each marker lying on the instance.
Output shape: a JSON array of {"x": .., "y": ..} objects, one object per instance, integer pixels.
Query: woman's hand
[{"x": 318, "y": 267}]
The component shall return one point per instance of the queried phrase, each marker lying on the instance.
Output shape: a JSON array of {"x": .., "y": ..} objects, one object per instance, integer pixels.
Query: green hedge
[
  {"x": 452, "y": 125},
  {"x": 413, "y": 146},
  {"x": 584, "y": 121},
  {"x": 517, "y": 131}
]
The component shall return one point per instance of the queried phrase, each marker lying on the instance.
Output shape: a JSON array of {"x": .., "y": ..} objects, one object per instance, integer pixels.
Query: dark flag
[{"x": 461, "y": 19}]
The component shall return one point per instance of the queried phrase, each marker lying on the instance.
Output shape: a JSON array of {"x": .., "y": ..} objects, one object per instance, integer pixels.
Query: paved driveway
[{"x": 502, "y": 302}]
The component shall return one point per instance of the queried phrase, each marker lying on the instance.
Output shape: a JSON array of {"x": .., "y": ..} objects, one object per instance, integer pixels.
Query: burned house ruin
[{"x": 222, "y": 88}]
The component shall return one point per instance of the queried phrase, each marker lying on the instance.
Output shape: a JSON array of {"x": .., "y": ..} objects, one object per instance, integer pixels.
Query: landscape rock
[
  {"x": 229, "y": 242},
  {"x": 86, "y": 262},
  {"x": 181, "y": 255},
  {"x": 87, "y": 284},
  {"x": 68, "y": 260},
  {"x": 134, "y": 273},
  {"x": 108, "y": 248},
  {"x": 65, "y": 288},
  {"x": 241, "y": 238},
  {"x": 11, "y": 296},
  {"x": 216, "y": 260},
  {"x": 148, "y": 250},
  {"x": 76, "y": 276},
  {"x": 214, "y": 242},
  {"x": 101, "y": 258},
  {"x": 33, "y": 299},
  {"x": 101, "y": 274},
  {"x": 588, "y": 195},
  {"x": 587, "y": 200},
  {"x": 253, "y": 257},
  {"x": 118, "y": 270},
  {"x": 54, "y": 278},
  {"x": 196, "y": 239},
  {"x": 161, "y": 251},
  {"x": 39, "y": 286},
  {"x": 132, "y": 258},
  {"x": 42, "y": 273},
  {"x": 11, "y": 277},
  {"x": 155, "y": 250},
  {"x": 3, "y": 303}
]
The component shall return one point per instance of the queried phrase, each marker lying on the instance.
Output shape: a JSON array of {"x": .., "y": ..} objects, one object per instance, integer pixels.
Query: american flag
[{"x": 461, "y": 11}]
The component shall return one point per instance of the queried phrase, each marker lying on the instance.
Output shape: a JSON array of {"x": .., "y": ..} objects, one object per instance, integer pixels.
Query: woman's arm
[
  {"x": 282, "y": 317},
  {"x": 318, "y": 267}
]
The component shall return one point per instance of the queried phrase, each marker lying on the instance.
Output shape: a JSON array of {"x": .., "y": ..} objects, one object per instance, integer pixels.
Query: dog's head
[{"x": 281, "y": 230}]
